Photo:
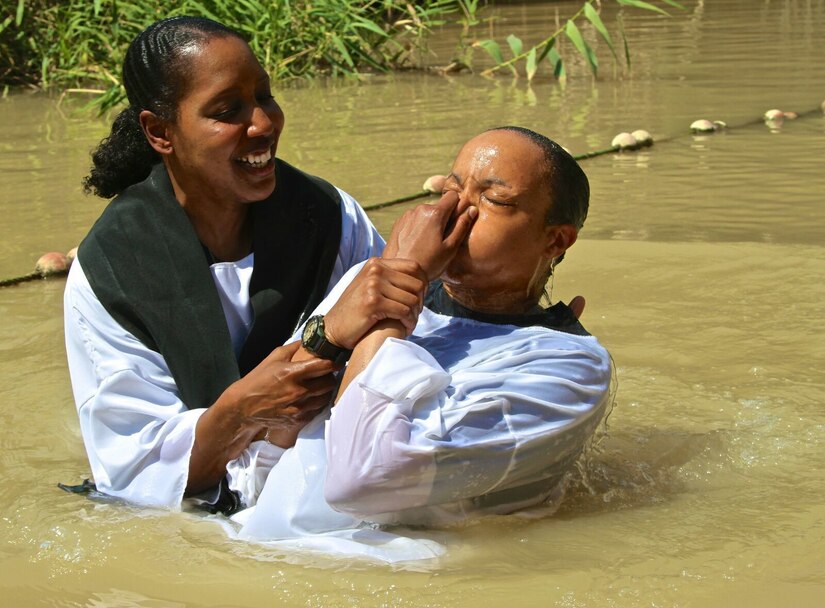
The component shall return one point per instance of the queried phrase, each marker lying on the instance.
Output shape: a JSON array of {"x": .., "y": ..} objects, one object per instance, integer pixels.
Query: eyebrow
[{"x": 487, "y": 182}]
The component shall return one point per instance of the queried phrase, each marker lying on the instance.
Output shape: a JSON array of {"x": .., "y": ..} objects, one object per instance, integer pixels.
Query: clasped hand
[{"x": 422, "y": 243}]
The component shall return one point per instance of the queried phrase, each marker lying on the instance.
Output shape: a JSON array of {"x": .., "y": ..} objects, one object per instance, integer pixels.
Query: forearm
[
  {"x": 365, "y": 350},
  {"x": 221, "y": 434}
]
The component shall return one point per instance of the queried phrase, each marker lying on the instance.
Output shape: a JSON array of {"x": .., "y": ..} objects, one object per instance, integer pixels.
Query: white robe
[
  {"x": 137, "y": 432},
  {"x": 463, "y": 418}
]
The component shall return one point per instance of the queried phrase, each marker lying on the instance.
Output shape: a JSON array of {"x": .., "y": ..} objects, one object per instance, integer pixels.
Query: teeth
[{"x": 257, "y": 160}]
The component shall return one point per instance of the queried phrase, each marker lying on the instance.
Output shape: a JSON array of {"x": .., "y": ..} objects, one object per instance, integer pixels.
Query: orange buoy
[{"x": 51, "y": 264}]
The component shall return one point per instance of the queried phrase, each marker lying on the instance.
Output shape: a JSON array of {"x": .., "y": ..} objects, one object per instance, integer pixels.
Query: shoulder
[{"x": 533, "y": 350}]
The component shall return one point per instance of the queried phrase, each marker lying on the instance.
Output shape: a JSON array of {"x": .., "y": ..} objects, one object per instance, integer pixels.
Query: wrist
[{"x": 316, "y": 340}]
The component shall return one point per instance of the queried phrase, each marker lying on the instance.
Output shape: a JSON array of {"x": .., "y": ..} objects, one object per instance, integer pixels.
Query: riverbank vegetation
[{"x": 77, "y": 46}]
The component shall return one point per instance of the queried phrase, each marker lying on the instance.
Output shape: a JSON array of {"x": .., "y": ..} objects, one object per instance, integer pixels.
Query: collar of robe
[{"x": 558, "y": 317}]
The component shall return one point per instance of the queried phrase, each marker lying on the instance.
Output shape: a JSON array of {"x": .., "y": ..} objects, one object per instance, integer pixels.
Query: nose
[
  {"x": 263, "y": 122},
  {"x": 466, "y": 198}
]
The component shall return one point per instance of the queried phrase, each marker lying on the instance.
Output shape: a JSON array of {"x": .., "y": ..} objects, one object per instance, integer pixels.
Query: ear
[
  {"x": 156, "y": 132},
  {"x": 560, "y": 237}
]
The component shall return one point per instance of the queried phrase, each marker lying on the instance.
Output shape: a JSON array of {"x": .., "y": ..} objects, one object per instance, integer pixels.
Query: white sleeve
[
  {"x": 407, "y": 434},
  {"x": 138, "y": 433},
  {"x": 359, "y": 238}
]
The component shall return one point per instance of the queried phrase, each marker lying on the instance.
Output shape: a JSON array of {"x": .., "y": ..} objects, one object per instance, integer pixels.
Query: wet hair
[
  {"x": 569, "y": 188},
  {"x": 156, "y": 71}
]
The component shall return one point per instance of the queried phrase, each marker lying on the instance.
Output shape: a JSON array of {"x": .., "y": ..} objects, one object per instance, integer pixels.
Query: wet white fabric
[
  {"x": 137, "y": 432},
  {"x": 292, "y": 513},
  {"x": 232, "y": 284},
  {"x": 463, "y": 418}
]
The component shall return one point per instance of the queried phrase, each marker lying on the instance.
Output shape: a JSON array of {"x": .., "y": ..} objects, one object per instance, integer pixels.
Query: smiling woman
[{"x": 211, "y": 253}]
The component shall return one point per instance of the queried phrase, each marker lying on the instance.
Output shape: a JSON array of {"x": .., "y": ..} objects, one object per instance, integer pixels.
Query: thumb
[
  {"x": 577, "y": 306},
  {"x": 461, "y": 229}
]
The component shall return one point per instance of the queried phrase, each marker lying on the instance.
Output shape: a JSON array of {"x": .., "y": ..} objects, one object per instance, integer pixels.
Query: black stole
[{"x": 148, "y": 269}]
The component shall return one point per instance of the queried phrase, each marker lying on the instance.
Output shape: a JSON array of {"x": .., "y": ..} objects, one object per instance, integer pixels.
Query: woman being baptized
[{"x": 488, "y": 402}]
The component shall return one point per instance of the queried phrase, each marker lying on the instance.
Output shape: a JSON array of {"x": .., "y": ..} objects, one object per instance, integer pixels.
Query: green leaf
[
  {"x": 515, "y": 44},
  {"x": 558, "y": 66},
  {"x": 531, "y": 66},
  {"x": 547, "y": 47},
  {"x": 343, "y": 50},
  {"x": 674, "y": 3},
  {"x": 5, "y": 23},
  {"x": 594, "y": 18},
  {"x": 18, "y": 18},
  {"x": 204, "y": 12},
  {"x": 492, "y": 47},
  {"x": 624, "y": 42},
  {"x": 97, "y": 7},
  {"x": 572, "y": 32},
  {"x": 369, "y": 25},
  {"x": 645, "y": 5}
]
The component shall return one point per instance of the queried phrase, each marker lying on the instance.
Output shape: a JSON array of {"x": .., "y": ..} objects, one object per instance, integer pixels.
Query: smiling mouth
[{"x": 256, "y": 161}]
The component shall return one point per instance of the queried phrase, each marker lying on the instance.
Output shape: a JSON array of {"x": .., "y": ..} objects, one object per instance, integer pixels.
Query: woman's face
[
  {"x": 224, "y": 138},
  {"x": 506, "y": 258}
]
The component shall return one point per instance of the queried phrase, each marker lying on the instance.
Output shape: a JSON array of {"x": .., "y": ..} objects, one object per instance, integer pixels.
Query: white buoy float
[
  {"x": 624, "y": 141},
  {"x": 702, "y": 126},
  {"x": 706, "y": 126},
  {"x": 642, "y": 137},
  {"x": 434, "y": 184}
]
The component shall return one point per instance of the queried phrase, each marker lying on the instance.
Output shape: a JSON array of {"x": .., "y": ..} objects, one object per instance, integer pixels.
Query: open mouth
[{"x": 256, "y": 160}]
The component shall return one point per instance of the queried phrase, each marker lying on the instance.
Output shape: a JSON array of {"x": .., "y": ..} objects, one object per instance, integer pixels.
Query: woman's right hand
[
  {"x": 281, "y": 392},
  {"x": 279, "y": 395}
]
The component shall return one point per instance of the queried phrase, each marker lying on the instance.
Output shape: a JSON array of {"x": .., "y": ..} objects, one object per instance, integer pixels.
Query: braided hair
[{"x": 155, "y": 74}]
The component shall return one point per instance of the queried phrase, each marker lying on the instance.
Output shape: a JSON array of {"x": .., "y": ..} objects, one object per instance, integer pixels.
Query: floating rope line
[
  {"x": 776, "y": 120},
  {"x": 21, "y": 279},
  {"x": 49, "y": 265},
  {"x": 57, "y": 264}
]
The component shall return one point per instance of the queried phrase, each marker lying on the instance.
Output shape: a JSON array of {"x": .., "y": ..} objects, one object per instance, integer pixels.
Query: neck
[
  {"x": 493, "y": 303},
  {"x": 224, "y": 229},
  {"x": 228, "y": 236}
]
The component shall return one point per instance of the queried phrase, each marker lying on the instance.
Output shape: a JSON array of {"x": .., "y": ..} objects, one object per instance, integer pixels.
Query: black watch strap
[{"x": 314, "y": 339}]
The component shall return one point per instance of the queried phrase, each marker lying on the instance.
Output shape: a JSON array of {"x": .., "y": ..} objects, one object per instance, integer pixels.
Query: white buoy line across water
[{"x": 55, "y": 264}]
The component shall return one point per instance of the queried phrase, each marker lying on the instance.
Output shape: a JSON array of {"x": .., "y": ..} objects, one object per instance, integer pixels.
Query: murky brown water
[{"x": 704, "y": 269}]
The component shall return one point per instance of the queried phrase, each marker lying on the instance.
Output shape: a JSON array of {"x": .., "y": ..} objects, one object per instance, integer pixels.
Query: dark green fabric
[
  {"x": 148, "y": 269},
  {"x": 558, "y": 317}
]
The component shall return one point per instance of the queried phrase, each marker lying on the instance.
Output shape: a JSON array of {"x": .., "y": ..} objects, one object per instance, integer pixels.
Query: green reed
[{"x": 78, "y": 45}]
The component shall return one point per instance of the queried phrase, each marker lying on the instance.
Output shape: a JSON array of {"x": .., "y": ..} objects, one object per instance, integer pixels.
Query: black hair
[
  {"x": 156, "y": 70},
  {"x": 569, "y": 188}
]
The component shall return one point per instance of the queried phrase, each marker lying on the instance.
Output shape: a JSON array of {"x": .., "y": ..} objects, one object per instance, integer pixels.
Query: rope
[
  {"x": 425, "y": 193},
  {"x": 593, "y": 154},
  {"x": 21, "y": 279}
]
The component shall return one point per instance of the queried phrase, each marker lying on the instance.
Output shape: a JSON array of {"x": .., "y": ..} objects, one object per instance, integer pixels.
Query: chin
[{"x": 260, "y": 193}]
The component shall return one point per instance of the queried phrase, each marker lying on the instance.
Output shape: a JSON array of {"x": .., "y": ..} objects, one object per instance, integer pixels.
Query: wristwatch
[{"x": 315, "y": 341}]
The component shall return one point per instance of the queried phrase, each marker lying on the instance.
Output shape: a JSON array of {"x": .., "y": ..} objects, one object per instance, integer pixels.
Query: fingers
[
  {"x": 448, "y": 202},
  {"x": 324, "y": 385},
  {"x": 461, "y": 229},
  {"x": 285, "y": 352},
  {"x": 577, "y": 306}
]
